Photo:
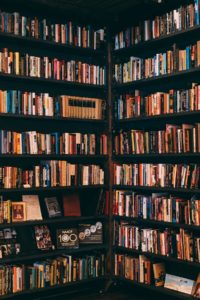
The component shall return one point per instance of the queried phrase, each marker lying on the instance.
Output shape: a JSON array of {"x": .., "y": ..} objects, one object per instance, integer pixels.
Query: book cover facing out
[
  {"x": 67, "y": 238},
  {"x": 91, "y": 233}
]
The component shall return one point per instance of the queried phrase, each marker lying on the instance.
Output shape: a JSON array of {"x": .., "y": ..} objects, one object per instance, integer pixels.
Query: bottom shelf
[
  {"x": 28, "y": 293},
  {"x": 153, "y": 288}
]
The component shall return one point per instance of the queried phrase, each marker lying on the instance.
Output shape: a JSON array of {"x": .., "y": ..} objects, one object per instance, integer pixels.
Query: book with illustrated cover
[
  {"x": 159, "y": 274},
  {"x": 91, "y": 233},
  {"x": 43, "y": 237},
  {"x": 18, "y": 211},
  {"x": 53, "y": 207},
  {"x": 179, "y": 284}
]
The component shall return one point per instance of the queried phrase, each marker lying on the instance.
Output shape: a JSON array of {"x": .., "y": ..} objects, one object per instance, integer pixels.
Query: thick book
[
  {"x": 53, "y": 207},
  {"x": 33, "y": 211},
  {"x": 67, "y": 238},
  {"x": 71, "y": 205}
]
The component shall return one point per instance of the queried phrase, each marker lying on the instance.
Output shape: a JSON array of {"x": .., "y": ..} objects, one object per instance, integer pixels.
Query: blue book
[
  {"x": 196, "y": 9},
  {"x": 67, "y": 34},
  {"x": 173, "y": 210},
  {"x": 188, "y": 58},
  {"x": 24, "y": 150},
  {"x": 165, "y": 62},
  {"x": 57, "y": 142}
]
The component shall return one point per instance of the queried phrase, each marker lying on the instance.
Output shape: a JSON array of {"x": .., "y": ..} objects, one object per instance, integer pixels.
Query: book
[
  {"x": 91, "y": 233},
  {"x": 179, "y": 284},
  {"x": 196, "y": 290},
  {"x": 18, "y": 211},
  {"x": 71, "y": 205},
  {"x": 67, "y": 238},
  {"x": 53, "y": 207},
  {"x": 43, "y": 237},
  {"x": 33, "y": 210},
  {"x": 159, "y": 274}
]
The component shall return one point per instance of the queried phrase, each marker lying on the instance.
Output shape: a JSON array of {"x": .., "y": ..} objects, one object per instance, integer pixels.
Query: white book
[
  {"x": 179, "y": 284},
  {"x": 33, "y": 211}
]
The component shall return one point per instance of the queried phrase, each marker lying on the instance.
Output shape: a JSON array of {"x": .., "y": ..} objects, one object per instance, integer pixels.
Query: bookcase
[
  {"x": 37, "y": 133},
  {"x": 134, "y": 168},
  {"x": 144, "y": 209}
]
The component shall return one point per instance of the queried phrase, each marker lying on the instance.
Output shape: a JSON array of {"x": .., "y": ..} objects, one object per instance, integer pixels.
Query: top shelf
[{"x": 45, "y": 44}]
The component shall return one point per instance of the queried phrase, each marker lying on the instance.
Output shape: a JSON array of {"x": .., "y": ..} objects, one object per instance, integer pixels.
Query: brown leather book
[{"x": 71, "y": 205}]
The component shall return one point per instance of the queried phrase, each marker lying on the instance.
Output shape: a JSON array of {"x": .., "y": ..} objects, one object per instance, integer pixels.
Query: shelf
[
  {"x": 54, "y": 156},
  {"x": 9, "y": 116},
  {"x": 157, "y": 256},
  {"x": 152, "y": 288},
  {"x": 56, "y": 83},
  {"x": 52, "y": 189},
  {"x": 30, "y": 41},
  {"x": 54, "y": 221},
  {"x": 47, "y": 254},
  {"x": 157, "y": 79},
  {"x": 148, "y": 222},
  {"x": 159, "y": 118},
  {"x": 157, "y": 42},
  {"x": 156, "y": 189},
  {"x": 150, "y": 156},
  {"x": 52, "y": 288}
]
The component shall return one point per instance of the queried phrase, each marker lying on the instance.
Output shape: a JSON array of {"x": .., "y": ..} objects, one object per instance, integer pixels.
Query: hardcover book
[{"x": 71, "y": 205}]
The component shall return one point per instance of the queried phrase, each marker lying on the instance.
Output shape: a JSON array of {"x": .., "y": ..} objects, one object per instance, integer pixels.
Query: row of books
[
  {"x": 174, "y": 101},
  {"x": 157, "y": 175},
  {"x": 184, "y": 17},
  {"x": 65, "y": 33},
  {"x": 157, "y": 206},
  {"x": 52, "y": 272},
  {"x": 133, "y": 268},
  {"x": 43, "y": 104},
  {"x": 180, "y": 244},
  {"x": 143, "y": 270},
  {"x": 52, "y": 173},
  {"x": 175, "y": 60},
  {"x": 50, "y": 68},
  {"x": 33, "y": 208},
  {"x": 32, "y": 142},
  {"x": 183, "y": 138}
]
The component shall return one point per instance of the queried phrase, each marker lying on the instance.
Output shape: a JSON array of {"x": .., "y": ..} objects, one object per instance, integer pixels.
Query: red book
[{"x": 71, "y": 205}]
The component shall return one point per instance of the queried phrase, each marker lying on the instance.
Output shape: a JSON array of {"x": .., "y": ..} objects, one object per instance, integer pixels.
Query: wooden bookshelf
[
  {"x": 46, "y": 124},
  {"x": 177, "y": 81}
]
